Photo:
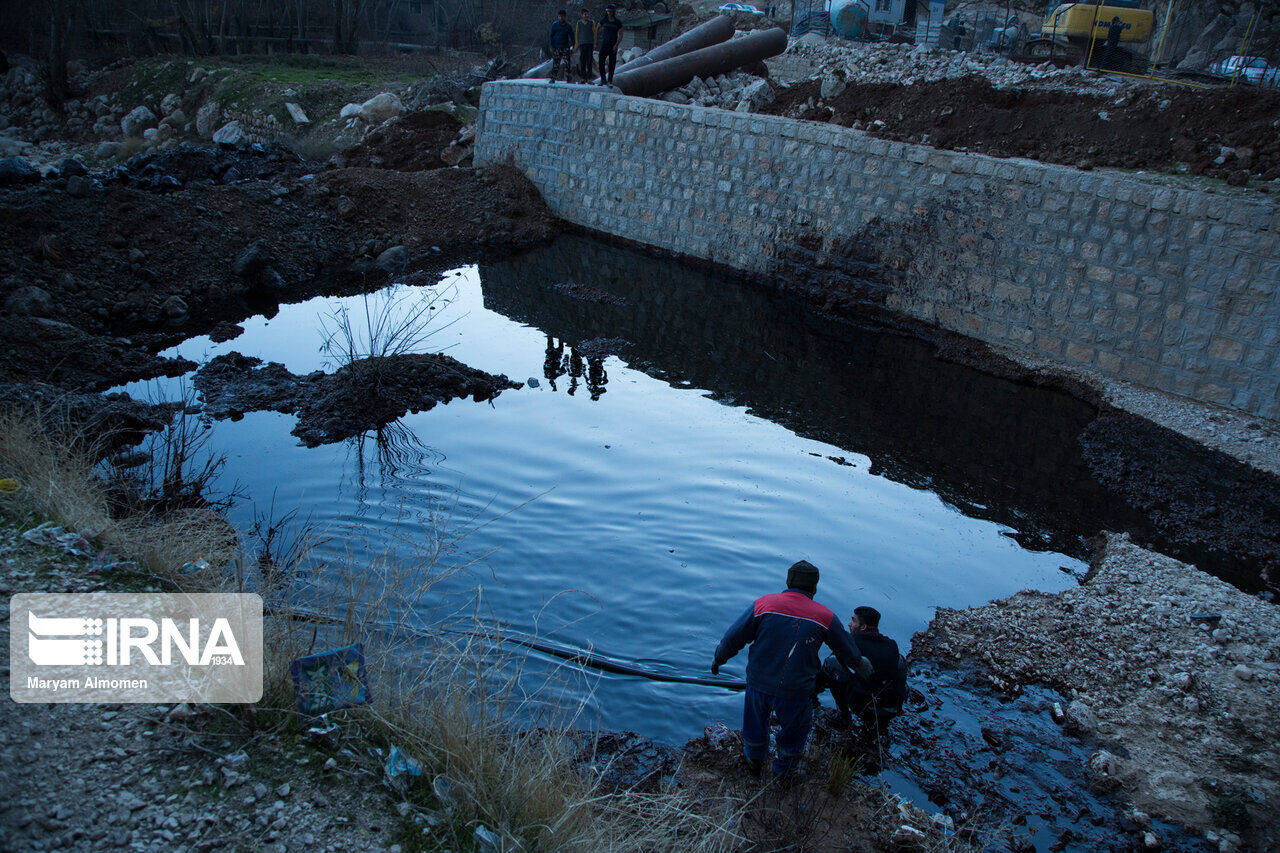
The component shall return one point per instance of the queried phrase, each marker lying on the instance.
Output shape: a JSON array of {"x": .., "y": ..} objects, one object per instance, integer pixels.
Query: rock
[
  {"x": 138, "y": 120},
  {"x": 831, "y": 87},
  {"x": 675, "y": 98},
  {"x": 349, "y": 111},
  {"x": 252, "y": 260},
  {"x": 1191, "y": 703},
  {"x": 231, "y": 133},
  {"x": 379, "y": 108},
  {"x": 151, "y": 135},
  {"x": 1103, "y": 768},
  {"x": 79, "y": 186},
  {"x": 176, "y": 120},
  {"x": 16, "y": 170},
  {"x": 452, "y": 154},
  {"x": 169, "y": 103},
  {"x": 759, "y": 94},
  {"x": 345, "y": 207},
  {"x": 12, "y": 147},
  {"x": 71, "y": 166},
  {"x": 1080, "y": 718},
  {"x": 174, "y": 308},
  {"x": 207, "y": 118},
  {"x": 1242, "y": 672},
  {"x": 393, "y": 259},
  {"x": 30, "y": 301},
  {"x": 296, "y": 113}
]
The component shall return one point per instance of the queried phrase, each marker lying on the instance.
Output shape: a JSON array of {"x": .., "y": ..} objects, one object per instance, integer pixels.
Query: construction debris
[{"x": 905, "y": 64}]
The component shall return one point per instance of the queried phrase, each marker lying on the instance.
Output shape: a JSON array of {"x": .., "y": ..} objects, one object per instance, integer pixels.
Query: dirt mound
[
  {"x": 358, "y": 397},
  {"x": 412, "y": 144},
  {"x": 1221, "y": 133}
]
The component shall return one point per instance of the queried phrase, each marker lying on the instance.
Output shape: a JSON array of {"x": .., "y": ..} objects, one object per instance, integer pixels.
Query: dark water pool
[{"x": 655, "y": 492}]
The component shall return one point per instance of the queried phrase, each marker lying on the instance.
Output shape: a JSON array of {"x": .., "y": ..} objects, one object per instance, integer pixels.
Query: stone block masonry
[{"x": 1173, "y": 289}]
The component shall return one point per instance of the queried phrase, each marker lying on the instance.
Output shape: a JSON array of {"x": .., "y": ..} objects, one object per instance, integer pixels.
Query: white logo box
[{"x": 135, "y": 647}]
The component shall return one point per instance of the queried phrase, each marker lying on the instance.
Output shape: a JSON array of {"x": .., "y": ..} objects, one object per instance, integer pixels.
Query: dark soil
[
  {"x": 102, "y": 421},
  {"x": 356, "y": 398},
  {"x": 1191, "y": 128},
  {"x": 1191, "y": 493},
  {"x": 412, "y": 144},
  {"x": 112, "y": 262}
]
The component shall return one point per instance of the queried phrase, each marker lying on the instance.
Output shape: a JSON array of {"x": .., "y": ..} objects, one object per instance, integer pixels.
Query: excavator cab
[{"x": 1070, "y": 27}]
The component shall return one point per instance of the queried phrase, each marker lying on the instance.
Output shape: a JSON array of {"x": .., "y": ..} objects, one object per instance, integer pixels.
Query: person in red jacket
[{"x": 786, "y": 631}]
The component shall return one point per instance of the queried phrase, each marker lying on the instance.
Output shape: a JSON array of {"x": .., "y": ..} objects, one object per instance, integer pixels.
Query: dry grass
[{"x": 60, "y": 482}]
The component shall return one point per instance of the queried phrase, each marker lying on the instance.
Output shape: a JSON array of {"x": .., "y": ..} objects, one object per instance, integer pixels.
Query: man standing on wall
[
  {"x": 584, "y": 40},
  {"x": 610, "y": 35},
  {"x": 560, "y": 40},
  {"x": 786, "y": 630}
]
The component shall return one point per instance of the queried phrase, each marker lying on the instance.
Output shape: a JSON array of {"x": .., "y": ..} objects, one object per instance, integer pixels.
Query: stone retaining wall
[{"x": 1175, "y": 289}]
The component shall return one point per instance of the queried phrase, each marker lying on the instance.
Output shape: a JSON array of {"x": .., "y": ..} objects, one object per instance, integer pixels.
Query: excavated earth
[
  {"x": 95, "y": 284},
  {"x": 1222, "y": 133}
]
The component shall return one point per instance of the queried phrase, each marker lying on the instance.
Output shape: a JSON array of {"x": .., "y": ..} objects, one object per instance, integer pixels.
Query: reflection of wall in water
[{"x": 994, "y": 448}]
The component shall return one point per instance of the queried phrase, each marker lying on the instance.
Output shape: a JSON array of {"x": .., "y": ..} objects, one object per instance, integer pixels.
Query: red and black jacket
[{"x": 786, "y": 631}]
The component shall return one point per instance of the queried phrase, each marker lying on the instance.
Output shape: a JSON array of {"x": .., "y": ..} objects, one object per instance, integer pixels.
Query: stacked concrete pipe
[
  {"x": 715, "y": 31},
  {"x": 673, "y": 73},
  {"x": 718, "y": 29}
]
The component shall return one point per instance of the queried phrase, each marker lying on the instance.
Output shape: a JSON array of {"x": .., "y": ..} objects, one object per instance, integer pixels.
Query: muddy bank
[
  {"x": 1183, "y": 713},
  {"x": 1223, "y": 133},
  {"x": 357, "y": 397},
  {"x": 95, "y": 284}
]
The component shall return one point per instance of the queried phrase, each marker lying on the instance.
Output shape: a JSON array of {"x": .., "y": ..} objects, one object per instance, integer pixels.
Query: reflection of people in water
[
  {"x": 575, "y": 370},
  {"x": 596, "y": 377},
  {"x": 556, "y": 364},
  {"x": 551, "y": 368}
]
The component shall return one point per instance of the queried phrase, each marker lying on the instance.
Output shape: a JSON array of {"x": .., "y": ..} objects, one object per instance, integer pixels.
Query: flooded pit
[{"x": 685, "y": 438}]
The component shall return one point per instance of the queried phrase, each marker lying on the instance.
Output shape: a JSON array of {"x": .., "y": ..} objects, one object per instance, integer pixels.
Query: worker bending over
[{"x": 786, "y": 631}]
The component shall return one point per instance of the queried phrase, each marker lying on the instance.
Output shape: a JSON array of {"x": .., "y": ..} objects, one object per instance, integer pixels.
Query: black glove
[{"x": 715, "y": 667}]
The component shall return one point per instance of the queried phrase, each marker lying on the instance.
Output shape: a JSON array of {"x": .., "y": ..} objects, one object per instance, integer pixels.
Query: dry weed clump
[{"x": 60, "y": 482}]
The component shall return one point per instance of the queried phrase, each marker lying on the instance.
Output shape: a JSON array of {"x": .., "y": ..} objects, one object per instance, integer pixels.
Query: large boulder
[
  {"x": 16, "y": 170},
  {"x": 231, "y": 133},
  {"x": 379, "y": 108},
  {"x": 208, "y": 118},
  {"x": 138, "y": 120}
]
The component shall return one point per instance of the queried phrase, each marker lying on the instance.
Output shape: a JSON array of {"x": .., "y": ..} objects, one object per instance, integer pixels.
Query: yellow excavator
[{"x": 1071, "y": 30}]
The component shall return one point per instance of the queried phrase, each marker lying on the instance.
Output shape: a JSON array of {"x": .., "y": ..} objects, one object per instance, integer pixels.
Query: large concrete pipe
[
  {"x": 672, "y": 73},
  {"x": 542, "y": 71},
  {"x": 718, "y": 29}
]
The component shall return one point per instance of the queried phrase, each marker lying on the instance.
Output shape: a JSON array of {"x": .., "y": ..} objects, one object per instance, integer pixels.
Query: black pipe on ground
[
  {"x": 715, "y": 31},
  {"x": 668, "y": 74}
]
